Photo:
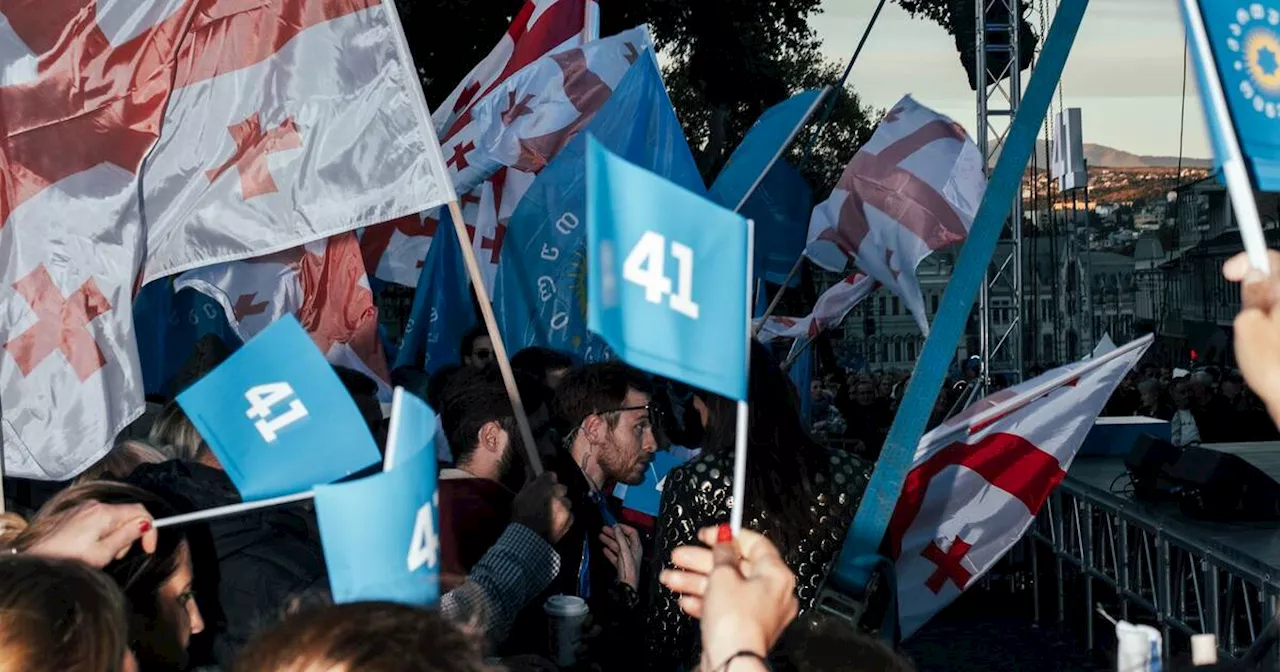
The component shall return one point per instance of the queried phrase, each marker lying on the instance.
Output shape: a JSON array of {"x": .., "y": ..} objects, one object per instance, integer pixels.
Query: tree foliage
[{"x": 725, "y": 62}]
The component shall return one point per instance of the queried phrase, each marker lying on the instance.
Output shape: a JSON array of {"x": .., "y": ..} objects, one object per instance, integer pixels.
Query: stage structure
[{"x": 997, "y": 56}]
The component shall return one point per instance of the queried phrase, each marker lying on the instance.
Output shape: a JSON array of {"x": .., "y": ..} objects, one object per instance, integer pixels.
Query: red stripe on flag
[
  {"x": 235, "y": 34},
  {"x": 1006, "y": 461}
]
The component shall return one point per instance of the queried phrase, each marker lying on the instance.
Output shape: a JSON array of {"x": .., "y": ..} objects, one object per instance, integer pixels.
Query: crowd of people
[{"x": 88, "y": 583}]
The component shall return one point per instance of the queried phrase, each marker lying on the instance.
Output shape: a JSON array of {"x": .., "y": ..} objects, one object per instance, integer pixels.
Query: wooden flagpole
[{"x": 491, "y": 325}]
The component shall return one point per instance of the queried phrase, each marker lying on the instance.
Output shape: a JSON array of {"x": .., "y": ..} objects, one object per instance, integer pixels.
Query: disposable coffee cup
[{"x": 565, "y": 617}]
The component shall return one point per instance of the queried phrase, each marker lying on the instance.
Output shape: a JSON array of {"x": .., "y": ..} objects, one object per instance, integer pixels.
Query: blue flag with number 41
[
  {"x": 669, "y": 291},
  {"x": 278, "y": 418}
]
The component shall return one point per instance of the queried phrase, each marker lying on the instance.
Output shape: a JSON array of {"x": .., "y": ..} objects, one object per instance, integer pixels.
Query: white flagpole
[
  {"x": 468, "y": 254},
  {"x": 1239, "y": 185},
  {"x": 590, "y": 21},
  {"x": 232, "y": 509},
  {"x": 743, "y": 421},
  {"x": 393, "y": 430}
]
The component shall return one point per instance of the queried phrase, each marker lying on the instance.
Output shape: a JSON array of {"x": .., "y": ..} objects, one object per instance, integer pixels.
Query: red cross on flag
[
  {"x": 912, "y": 189},
  {"x": 496, "y": 146},
  {"x": 541, "y": 27},
  {"x": 978, "y": 480},
  {"x": 828, "y": 312},
  {"x": 323, "y": 284},
  {"x": 256, "y": 120}
]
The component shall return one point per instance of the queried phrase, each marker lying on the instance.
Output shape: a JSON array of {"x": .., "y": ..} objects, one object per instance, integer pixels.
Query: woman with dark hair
[
  {"x": 157, "y": 584},
  {"x": 799, "y": 494},
  {"x": 60, "y": 615},
  {"x": 364, "y": 637}
]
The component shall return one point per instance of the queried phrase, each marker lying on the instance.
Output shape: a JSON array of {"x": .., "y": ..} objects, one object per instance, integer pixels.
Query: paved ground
[{"x": 986, "y": 630}]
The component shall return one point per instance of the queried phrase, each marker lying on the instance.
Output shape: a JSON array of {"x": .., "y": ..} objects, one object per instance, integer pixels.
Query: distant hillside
[{"x": 1101, "y": 156}]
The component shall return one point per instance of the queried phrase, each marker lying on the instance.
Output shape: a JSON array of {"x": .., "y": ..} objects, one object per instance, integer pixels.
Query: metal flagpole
[{"x": 3, "y": 506}]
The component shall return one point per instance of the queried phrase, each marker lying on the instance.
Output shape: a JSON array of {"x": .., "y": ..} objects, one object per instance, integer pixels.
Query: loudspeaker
[
  {"x": 1215, "y": 485},
  {"x": 1147, "y": 463}
]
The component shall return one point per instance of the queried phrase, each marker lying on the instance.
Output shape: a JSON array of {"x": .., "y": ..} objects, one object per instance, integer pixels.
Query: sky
[{"x": 1124, "y": 72}]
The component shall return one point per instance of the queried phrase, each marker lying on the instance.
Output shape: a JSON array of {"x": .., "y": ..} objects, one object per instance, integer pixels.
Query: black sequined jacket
[{"x": 698, "y": 495}]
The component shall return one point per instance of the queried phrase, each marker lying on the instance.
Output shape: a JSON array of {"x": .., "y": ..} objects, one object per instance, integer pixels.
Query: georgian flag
[
  {"x": 979, "y": 479},
  {"x": 496, "y": 147},
  {"x": 828, "y": 312},
  {"x": 141, "y": 138},
  {"x": 322, "y": 283},
  {"x": 912, "y": 189},
  {"x": 542, "y": 27}
]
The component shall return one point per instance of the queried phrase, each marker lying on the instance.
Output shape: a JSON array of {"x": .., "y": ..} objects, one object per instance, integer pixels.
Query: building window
[
  {"x": 882, "y": 305},
  {"x": 896, "y": 310},
  {"x": 934, "y": 299},
  {"x": 1046, "y": 345},
  {"x": 897, "y": 351},
  {"x": 911, "y": 350}
]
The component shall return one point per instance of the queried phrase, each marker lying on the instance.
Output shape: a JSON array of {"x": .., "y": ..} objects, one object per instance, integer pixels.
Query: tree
[
  {"x": 730, "y": 60},
  {"x": 449, "y": 37}
]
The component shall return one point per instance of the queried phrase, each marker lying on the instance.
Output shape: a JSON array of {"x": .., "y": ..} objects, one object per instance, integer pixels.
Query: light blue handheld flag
[
  {"x": 277, "y": 417},
  {"x": 413, "y": 428},
  {"x": 763, "y": 144},
  {"x": 540, "y": 295},
  {"x": 380, "y": 534},
  {"x": 670, "y": 290},
  {"x": 1236, "y": 45},
  {"x": 647, "y": 496}
]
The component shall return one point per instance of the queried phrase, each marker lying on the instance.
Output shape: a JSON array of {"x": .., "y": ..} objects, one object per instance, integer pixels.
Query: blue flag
[
  {"x": 802, "y": 376},
  {"x": 168, "y": 324},
  {"x": 1244, "y": 43},
  {"x": 278, "y": 418},
  {"x": 380, "y": 534},
  {"x": 442, "y": 312},
  {"x": 670, "y": 292},
  {"x": 647, "y": 496},
  {"x": 413, "y": 428},
  {"x": 540, "y": 295},
  {"x": 780, "y": 209},
  {"x": 763, "y": 144}
]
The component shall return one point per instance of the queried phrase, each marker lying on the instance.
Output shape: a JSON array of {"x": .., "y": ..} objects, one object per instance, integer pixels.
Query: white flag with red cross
[
  {"x": 322, "y": 284},
  {"x": 912, "y": 189},
  {"x": 541, "y": 27},
  {"x": 828, "y": 312},
  {"x": 495, "y": 148},
  {"x": 978, "y": 480},
  {"x": 143, "y": 138}
]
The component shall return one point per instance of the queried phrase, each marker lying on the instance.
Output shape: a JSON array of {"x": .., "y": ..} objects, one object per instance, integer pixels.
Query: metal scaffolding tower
[{"x": 1000, "y": 341}]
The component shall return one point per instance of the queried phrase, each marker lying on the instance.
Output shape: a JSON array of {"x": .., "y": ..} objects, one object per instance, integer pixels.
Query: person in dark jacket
[
  {"x": 248, "y": 566},
  {"x": 799, "y": 494}
]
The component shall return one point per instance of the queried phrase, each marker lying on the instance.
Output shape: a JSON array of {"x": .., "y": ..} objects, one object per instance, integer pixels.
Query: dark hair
[
  {"x": 816, "y": 642},
  {"x": 59, "y": 615},
  {"x": 472, "y": 399},
  {"x": 596, "y": 388},
  {"x": 438, "y": 382},
  {"x": 364, "y": 392},
  {"x": 364, "y": 637},
  {"x": 139, "y": 574},
  {"x": 412, "y": 379},
  {"x": 469, "y": 340},
  {"x": 780, "y": 453},
  {"x": 538, "y": 361}
]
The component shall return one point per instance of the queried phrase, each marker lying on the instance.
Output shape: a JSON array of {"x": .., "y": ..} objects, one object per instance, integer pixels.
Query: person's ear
[
  {"x": 594, "y": 427},
  {"x": 491, "y": 436}
]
